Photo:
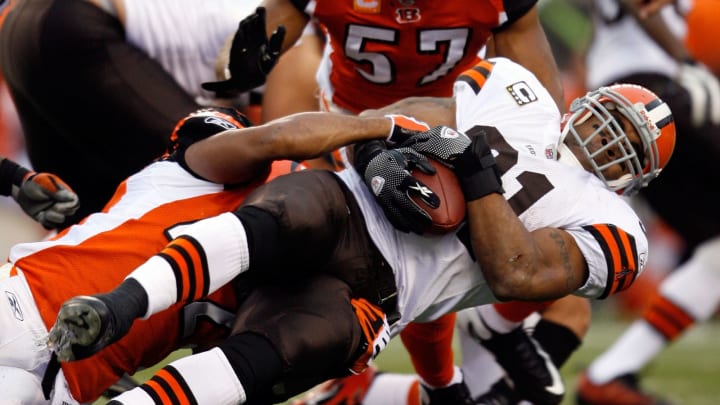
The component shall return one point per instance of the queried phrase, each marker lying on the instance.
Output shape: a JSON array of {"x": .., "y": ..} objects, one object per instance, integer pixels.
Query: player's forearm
[
  {"x": 503, "y": 247},
  {"x": 519, "y": 264},
  {"x": 238, "y": 156},
  {"x": 309, "y": 135},
  {"x": 656, "y": 28},
  {"x": 432, "y": 110}
]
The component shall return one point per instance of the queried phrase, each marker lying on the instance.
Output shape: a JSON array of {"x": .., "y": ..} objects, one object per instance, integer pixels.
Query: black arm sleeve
[{"x": 514, "y": 9}]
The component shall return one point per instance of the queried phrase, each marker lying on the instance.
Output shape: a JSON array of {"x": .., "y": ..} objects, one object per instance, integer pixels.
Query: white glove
[{"x": 704, "y": 90}]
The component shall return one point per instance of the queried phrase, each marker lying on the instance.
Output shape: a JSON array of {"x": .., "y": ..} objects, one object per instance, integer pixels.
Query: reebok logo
[
  {"x": 449, "y": 133},
  {"x": 376, "y": 184},
  {"x": 424, "y": 191},
  {"x": 14, "y": 306}
]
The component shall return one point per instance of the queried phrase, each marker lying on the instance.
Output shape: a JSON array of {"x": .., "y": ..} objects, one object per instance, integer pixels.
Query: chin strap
[{"x": 566, "y": 156}]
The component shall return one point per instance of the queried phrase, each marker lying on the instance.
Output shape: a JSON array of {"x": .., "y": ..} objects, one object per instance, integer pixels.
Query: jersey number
[
  {"x": 430, "y": 41},
  {"x": 532, "y": 185}
]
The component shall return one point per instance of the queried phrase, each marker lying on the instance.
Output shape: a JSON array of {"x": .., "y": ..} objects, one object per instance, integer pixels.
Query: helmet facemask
[{"x": 611, "y": 142}]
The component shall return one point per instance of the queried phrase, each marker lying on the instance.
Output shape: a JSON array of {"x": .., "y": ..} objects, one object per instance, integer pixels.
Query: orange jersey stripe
[
  {"x": 158, "y": 394},
  {"x": 173, "y": 386},
  {"x": 620, "y": 253},
  {"x": 477, "y": 75}
]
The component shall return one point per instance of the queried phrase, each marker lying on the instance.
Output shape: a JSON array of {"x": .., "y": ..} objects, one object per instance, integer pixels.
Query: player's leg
[
  {"x": 287, "y": 337},
  {"x": 687, "y": 296},
  {"x": 288, "y": 221}
]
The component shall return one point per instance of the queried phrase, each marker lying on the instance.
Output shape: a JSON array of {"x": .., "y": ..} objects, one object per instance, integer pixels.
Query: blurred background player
[
  {"x": 99, "y": 85},
  {"x": 652, "y": 54}
]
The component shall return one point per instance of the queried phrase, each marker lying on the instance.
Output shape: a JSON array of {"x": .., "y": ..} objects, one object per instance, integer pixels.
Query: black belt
[{"x": 51, "y": 372}]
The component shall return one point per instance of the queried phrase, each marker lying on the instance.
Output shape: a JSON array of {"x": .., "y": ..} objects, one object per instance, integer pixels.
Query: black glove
[
  {"x": 252, "y": 56},
  {"x": 43, "y": 196},
  {"x": 47, "y": 199},
  {"x": 387, "y": 174},
  {"x": 470, "y": 158}
]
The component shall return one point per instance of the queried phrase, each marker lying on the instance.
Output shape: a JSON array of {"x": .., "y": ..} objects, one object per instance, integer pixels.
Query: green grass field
[{"x": 688, "y": 372}]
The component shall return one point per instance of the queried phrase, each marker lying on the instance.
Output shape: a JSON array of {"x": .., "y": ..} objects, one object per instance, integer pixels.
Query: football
[{"x": 451, "y": 212}]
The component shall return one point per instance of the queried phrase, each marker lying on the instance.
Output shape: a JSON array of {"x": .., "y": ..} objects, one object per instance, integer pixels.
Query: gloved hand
[
  {"x": 387, "y": 174},
  {"x": 46, "y": 198},
  {"x": 704, "y": 90},
  {"x": 470, "y": 158},
  {"x": 375, "y": 330},
  {"x": 457, "y": 393},
  {"x": 403, "y": 127},
  {"x": 252, "y": 56}
]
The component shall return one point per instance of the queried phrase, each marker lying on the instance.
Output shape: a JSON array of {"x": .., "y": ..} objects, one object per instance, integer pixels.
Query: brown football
[{"x": 451, "y": 212}]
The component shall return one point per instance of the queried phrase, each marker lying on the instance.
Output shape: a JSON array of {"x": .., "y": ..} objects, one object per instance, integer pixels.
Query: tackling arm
[
  {"x": 525, "y": 43},
  {"x": 239, "y": 155},
  {"x": 434, "y": 111},
  {"x": 518, "y": 264}
]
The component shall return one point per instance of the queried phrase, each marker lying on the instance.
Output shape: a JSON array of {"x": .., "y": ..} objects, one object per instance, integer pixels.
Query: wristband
[
  {"x": 403, "y": 127},
  {"x": 477, "y": 171},
  {"x": 364, "y": 153},
  {"x": 11, "y": 174}
]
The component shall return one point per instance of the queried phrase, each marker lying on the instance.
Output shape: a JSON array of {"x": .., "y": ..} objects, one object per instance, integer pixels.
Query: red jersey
[
  {"x": 97, "y": 254},
  {"x": 379, "y": 51}
]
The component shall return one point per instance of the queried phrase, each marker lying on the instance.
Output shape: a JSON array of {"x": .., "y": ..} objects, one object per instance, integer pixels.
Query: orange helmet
[{"x": 650, "y": 116}]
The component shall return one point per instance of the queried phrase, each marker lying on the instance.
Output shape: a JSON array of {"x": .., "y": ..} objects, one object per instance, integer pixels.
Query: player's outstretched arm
[
  {"x": 240, "y": 155},
  {"x": 525, "y": 42}
]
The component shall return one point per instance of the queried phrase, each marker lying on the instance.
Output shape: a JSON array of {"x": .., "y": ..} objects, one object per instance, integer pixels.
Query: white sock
[
  {"x": 221, "y": 240},
  {"x": 390, "y": 389},
  {"x": 208, "y": 376},
  {"x": 629, "y": 354},
  {"x": 694, "y": 285}
]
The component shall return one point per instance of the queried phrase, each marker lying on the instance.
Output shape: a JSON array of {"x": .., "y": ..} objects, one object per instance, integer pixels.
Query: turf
[{"x": 688, "y": 372}]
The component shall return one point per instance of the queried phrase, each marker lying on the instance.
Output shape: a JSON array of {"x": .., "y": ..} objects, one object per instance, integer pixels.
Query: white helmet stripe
[{"x": 660, "y": 115}]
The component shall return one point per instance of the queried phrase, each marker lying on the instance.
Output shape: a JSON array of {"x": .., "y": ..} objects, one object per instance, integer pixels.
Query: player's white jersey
[
  {"x": 435, "y": 274},
  {"x": 621, "y": 47},
  {"x": 185, "y": 36}
]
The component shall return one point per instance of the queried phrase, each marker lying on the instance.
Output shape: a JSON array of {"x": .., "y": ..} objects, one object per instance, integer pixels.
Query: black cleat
[
  {"x": 534, "y": 376},
  {"x": 456, "y": 394},
  {"x": 84, "y": 326},
  {"x": 500, "y": 393}
]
